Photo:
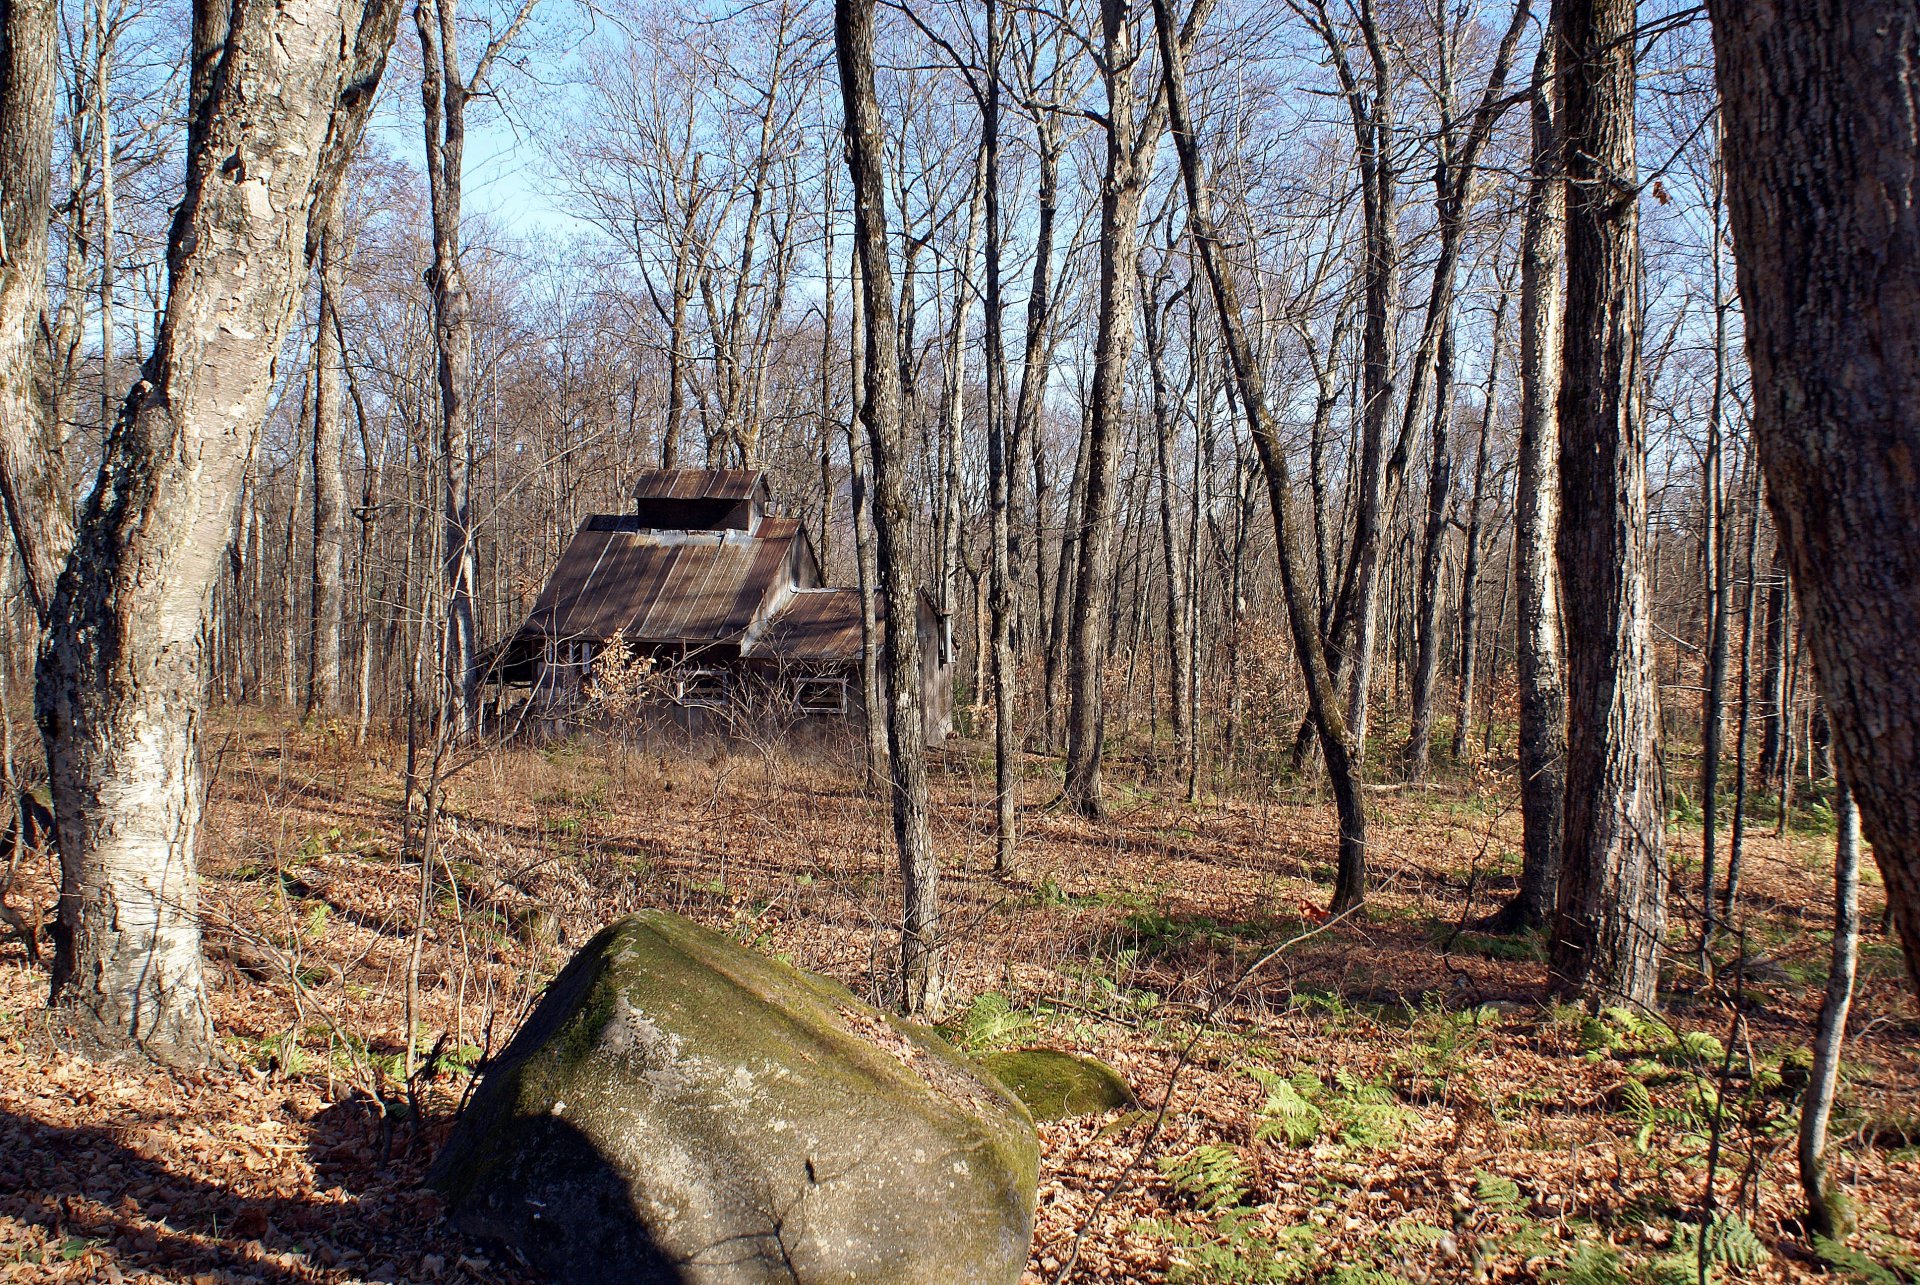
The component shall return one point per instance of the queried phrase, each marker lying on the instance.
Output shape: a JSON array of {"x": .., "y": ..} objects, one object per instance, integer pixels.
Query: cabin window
[
  {"x": 703, "y": 688},
  {"x": 820, "y": 695}
]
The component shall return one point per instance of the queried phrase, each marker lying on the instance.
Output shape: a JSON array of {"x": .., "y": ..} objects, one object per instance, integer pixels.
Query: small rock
[{"x": 1059, "y": 1086}]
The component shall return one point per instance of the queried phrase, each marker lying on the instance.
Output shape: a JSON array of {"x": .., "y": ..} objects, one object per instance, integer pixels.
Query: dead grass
[{"x": 1464, "y": 1130}]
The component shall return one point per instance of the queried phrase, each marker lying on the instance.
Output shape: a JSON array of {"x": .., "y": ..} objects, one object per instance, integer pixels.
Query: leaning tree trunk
[
  {"x": 1827, "y": 1212},
  {"x": 33, "y": 485},
  {"x": 1824, "y": 179},
  {"x": 1612, "y": 906},
  {"x": 920, "y": 874},
  {"x": 329, "y": 583},
  {"x": 279, "y": 99},
  {"x": 1173, "y": 563},
  {"x": 1296, "y": 574},
  {"x": 1543, "y": 701}
]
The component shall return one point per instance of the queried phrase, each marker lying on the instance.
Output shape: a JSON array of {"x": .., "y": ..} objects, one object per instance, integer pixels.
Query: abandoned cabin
[{"x": 725, "y": 598}]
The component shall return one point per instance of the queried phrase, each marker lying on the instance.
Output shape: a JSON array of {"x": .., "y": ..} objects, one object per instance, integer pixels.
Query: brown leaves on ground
[{"x": 1438, "y": 1122}]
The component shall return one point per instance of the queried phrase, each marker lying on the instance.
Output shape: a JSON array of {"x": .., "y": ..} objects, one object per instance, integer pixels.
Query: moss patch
[{"x": 1058, "y": 1086}]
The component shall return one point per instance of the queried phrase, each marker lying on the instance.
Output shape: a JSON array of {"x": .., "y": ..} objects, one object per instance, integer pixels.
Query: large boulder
[{"x": 681, "y": 1109}]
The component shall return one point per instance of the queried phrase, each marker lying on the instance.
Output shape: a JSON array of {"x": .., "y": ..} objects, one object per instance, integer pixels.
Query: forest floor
[{"x": 1388, "y": 1097}]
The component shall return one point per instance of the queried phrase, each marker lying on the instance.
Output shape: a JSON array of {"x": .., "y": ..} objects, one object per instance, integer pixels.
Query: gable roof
[{"x": 656, "y": 587}]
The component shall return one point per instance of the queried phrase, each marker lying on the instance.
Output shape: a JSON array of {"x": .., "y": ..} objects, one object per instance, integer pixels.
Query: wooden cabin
[{"x": 726, "y": 599}]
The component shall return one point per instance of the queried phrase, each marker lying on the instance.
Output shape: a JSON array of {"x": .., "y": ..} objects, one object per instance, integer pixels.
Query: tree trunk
[
  {"x": 121, "y": 683},
  {"x": 1166, "y": 427},
  {"x": 1737, "y": 836},
  {"x": 1543, "y": 725},
  {"x": 1000, "y": 468},
  {"x": 1296, "y": 575},
  {"x": 1715, "y": 564},
  {"x": 444, "y": 92},
  {"x": 953, "y": 396},
  {"x": 1773, "y": 683},
  {"x": 1827, "y": 1211},
  {"x": 1470, "y": 571},
  {"x": 1611, "y": 914},
  {"x": 1823, "y": 176},
  {"x": 1356, "y": 622},
  {"x": 920, "y": 947},
  {"x": 34, "y": 490},
  {"x": 1035, "y": 368},
  {"x": 1432, "y": 559},
  {"x": 1130, "y": 147},
  {"x": 866, "y": 560},
  {"x": 329, "y": 582}
]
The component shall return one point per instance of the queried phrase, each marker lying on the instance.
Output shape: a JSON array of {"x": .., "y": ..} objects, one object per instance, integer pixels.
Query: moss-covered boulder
[
  {"x": 1059, "y": 1086},
  {"x": 681, "y": 1109}
]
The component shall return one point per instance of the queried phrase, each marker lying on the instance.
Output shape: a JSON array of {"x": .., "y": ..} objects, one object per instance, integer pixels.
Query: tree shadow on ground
[{"x": 123, "y": 1210}]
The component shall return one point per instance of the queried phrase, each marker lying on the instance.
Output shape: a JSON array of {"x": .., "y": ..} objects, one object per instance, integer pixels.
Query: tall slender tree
[
  {"x": 328, "y": 596},
  {"x": 1611, "y": 913},
  {"x": 1000, "y": 465},
  {"x": 920, "y": 948},
  {"x": 1296, "y": 575},
  {"x": 1543, "y": 709},
  {"x": 445, "y": 91}
]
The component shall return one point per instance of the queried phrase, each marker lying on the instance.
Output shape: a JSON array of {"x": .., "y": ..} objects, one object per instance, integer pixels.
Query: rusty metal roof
[
  {"x": 697, "y": 483},
  {"x": 662, "y": 586},
  {"x": 815, "y": 624}
]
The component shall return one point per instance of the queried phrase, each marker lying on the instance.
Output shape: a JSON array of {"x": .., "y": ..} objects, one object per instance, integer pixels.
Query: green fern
[
  {"x": 991, "y": 1021},
  {"x": 1210, "y": 1176},
  {"x": 1236, "y": 1250},
  {"x": 1854, "y": 1265},
  {"x": 1287, "y": 1113},
  {"x": 1365, "y": 1115},
  {"x": 1597, "y": 1036},
  {"x": 1363, "y": 1275},
  {"x": 1695, "y": 1046},
  {"x": 1730, "y": 1243},
  {"x": 1495, "y": 1191},
  {"x": 1592, "y": 1264},
  {"x": 1371, "y": 1125}
]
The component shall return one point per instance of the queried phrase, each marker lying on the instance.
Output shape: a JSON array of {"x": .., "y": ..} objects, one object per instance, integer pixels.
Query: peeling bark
[{"x": 280, "y": 97}]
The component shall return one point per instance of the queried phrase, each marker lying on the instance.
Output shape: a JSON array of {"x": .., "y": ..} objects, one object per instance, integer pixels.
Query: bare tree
[
  {"x": 445, "y": 91},
  {"x": 1459, "y": 152},
  {"x": 1611, "y": 913},
  {"x": 1000, "y": 466},
  {"x": 279, "y": 99},
  {"x": 1543, "y": 707},
  {"x": 1133, "y": 123},
  {"x": 329, "y": 581},
  {"x": 1296, "y": 577},
  {"x": 921, "y": 981},
  {"x": 1827, "y": 1211}
]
